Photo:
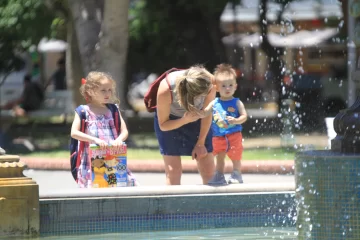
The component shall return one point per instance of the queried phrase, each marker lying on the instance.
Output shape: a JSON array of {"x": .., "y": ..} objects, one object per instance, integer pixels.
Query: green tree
[
  {"x": 178, "y": 33},
  {"x": 87, "y": 16},
  {"x": 22, "y": 24},
  {"x": 101, "y": 29},
  {"x": 113, "y": 44},
  {"x": 64, "y": 27},
  {"x": 97, "y": 36}
]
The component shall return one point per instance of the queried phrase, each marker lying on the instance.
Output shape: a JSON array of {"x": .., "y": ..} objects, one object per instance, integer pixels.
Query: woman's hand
[
  {"x": 203, "y": 113},
  {"x": 191, "y": 117},
  {"x": 199, "y": 152},
  {"x": 100, "y": 143}
]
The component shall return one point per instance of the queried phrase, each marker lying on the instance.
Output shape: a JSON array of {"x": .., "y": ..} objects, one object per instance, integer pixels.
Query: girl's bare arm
[
  {"x": 77, "y": 134},
  {"x": 124, "y": 133}
]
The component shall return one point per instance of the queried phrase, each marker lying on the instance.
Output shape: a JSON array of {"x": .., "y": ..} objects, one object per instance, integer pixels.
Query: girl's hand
[
  {"x": 117, "y": 143},
  {"x": 191, "y": 117},
  {"x": 100, "y": 143}
]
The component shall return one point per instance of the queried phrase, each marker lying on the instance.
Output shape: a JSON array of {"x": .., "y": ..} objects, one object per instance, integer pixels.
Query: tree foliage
[
  {"x": 179, "y": 33},
  {"x": 22, "y": 24}
]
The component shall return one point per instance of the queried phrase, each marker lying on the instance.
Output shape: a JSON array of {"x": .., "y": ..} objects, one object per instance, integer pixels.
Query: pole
[
  {"x": 351, "y": 58},
  {"x": 234, "y": 52}
]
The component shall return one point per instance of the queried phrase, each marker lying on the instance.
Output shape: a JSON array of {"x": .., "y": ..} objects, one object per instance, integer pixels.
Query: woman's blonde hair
[
  {"x": 93, "y": 81},
  {"x": 194, "y": 82}
]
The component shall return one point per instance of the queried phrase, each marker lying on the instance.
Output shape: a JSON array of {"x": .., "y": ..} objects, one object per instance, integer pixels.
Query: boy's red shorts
[{"x": 230, "y": 143}]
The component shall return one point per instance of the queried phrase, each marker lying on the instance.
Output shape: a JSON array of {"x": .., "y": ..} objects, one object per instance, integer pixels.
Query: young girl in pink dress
[{"x": 98, "y": 90}]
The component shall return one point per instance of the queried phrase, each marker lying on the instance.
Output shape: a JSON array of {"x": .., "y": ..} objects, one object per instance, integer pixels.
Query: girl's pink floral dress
[{"x": 103, "y": 127}]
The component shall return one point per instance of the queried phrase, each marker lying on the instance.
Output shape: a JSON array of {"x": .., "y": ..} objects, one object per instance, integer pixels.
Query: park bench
[{"x": 57, "y": 104}]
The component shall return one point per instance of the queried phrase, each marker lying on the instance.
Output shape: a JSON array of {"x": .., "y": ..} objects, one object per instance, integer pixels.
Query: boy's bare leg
[
  {"x": 236, "y": 165},
  {"x": 220, "y": 162},
  {"x": 219, "y": 178},
  {"x": 236, "y": 176}
]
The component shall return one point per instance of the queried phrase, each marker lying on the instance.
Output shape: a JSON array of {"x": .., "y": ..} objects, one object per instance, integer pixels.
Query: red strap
[
  {"x": 117, "y": 122},
  {"x": 167, "y": 80},
  {"x": 81, "y": 147},
  {"x": 148, "y": 95}
]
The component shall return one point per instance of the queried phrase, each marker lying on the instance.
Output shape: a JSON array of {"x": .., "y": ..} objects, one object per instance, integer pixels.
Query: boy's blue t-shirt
[{"x": 222, "y": 109}]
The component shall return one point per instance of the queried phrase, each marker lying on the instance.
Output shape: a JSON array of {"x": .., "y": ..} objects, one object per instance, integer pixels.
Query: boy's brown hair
[{"x": 225, "y": 69}]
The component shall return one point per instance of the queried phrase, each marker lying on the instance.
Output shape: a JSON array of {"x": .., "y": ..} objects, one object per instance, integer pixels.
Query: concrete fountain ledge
[
  {"x": 168, "y": 190},
  {"x": 155, "y": 165},
  {"x": 166, "y": 208}
]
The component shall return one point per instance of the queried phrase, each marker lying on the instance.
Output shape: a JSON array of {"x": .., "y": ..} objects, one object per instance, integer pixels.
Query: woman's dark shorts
[{"x": 181, "y": 141}]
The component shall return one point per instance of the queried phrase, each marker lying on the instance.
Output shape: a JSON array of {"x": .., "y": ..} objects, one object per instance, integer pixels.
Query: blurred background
[{"x": 294, "y": 59}]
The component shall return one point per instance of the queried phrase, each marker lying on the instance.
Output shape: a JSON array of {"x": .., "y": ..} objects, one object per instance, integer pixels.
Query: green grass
[{"x": 145, "y": 154}]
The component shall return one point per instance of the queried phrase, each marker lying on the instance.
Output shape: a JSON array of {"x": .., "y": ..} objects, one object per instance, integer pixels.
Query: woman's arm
[
  {"x": 163, "y": 109},
  {"x": 207, "y": 110},
  {"x": 206, "y": 121}
]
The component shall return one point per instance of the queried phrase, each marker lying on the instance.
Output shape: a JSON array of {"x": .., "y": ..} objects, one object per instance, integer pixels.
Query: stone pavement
[
  {"x": 59, "y": 181},
  {"x": 248, "y": 166},
  {"x": 253, "y": 166}
]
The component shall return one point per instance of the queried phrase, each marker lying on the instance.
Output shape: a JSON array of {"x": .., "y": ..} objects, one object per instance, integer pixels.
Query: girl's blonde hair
[
  {"x": 93, "y": 81},
  {"x": 194, "y": 82}
]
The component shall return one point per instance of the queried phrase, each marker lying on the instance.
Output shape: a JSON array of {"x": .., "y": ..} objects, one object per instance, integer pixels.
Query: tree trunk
[
  {"x": 113, "y": 44},
  {"x": 344, "y": 8},
  {"x": 4, "y": 78},
  {"x": 74, "y": 70},
  {"x": 215, "y": 37},
  {"x": 87, "y": 16}
]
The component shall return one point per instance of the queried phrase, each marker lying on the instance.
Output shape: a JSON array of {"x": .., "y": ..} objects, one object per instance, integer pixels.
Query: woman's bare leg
[
  {"x": 206, "y": 167},
  {"x": 173, "y": 169}
]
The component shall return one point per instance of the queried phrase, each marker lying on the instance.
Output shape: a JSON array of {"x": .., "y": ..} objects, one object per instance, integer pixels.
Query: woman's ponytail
[
  {"x": 194, "y": 82},
  {"x": 181, "y": 90}
]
